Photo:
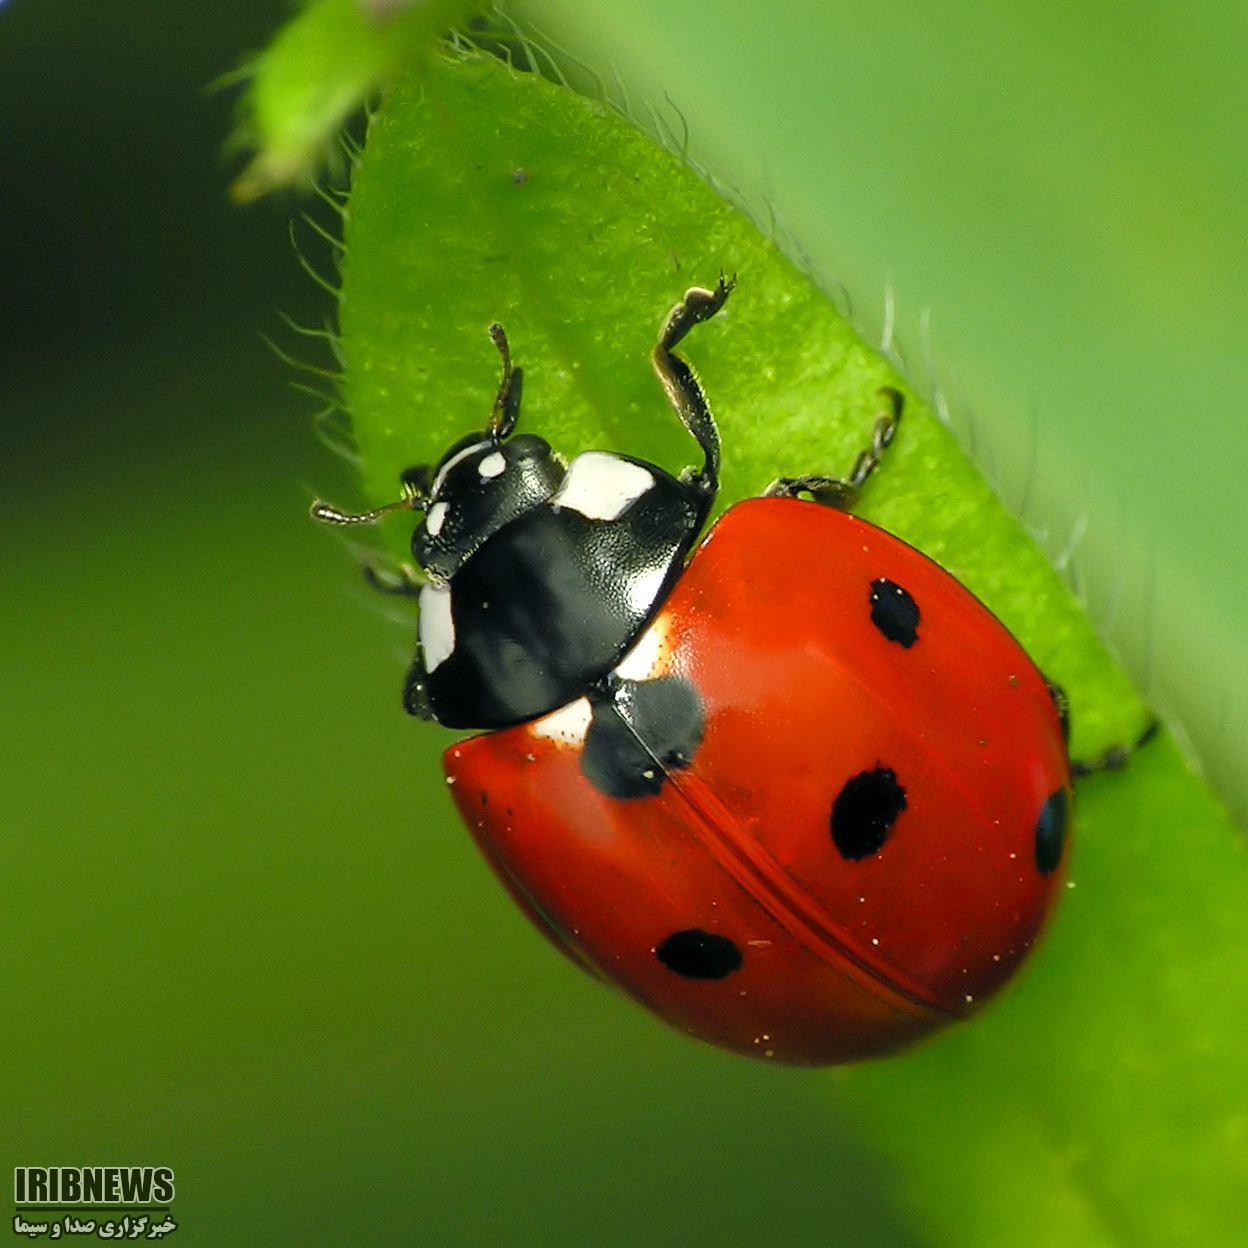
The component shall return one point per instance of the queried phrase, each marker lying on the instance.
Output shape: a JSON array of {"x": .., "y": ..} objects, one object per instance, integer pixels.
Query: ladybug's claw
[{"x": 1116, "y": 757}]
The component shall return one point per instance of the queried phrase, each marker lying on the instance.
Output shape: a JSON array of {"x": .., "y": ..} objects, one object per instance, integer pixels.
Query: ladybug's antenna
[{"x": 412, "y": 500}]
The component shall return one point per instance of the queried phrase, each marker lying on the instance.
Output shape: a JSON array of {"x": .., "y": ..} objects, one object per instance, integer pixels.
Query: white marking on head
[
  {"x": 437, "y": 625},
  {"x": 435, "y": 517},
  {"x": 601, "y": 486},
  {"x": 492, "y": 465},
  {"x": 568, "y": 725},
  {"x": 648, "y": 659},
  {"x": 457, "y": 458}
]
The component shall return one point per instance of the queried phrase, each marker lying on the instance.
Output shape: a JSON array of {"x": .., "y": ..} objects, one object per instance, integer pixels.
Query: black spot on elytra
[
  {"x": 696, "y": 954},
  {"x": 641, "y": 730},
  {"x": 1051, "y": 831},
  {"x": 864, "y": 812},
  {"x": 894, "y": 612}
]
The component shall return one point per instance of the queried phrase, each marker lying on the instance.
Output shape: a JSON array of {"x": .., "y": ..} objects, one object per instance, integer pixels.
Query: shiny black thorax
[
  {"x": 535, "y": 579},
  {"x": 540, "y": 578}
]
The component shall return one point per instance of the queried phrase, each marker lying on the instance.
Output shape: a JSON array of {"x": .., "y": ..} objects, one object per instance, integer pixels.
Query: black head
[
  {"x": 485, "y": 481},
  {"x": 482, "y": 483}
]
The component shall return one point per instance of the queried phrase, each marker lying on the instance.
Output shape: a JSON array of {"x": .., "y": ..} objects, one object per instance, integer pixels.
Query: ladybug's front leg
[
  {"x": 677, "y": 377},
  {"x": 415, "y": 694},
  {"x": 404, "y": 581},
  {"x": 842, "y": 492},
  {"x": 506, "y": 410}
]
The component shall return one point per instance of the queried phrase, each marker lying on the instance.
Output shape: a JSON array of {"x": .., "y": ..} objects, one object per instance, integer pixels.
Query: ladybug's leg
[
  {"x": 843, "y": 492},
  {"x": 404, "y": 581},
  {"x": 1115, "y": 758},
  {"x": 678, "y": 380},
  {"x": 1062, "y": 703},
  {"x": 507, "y": 402},
  {"x": 415, "y": 694},
  {"x": 830, "y": 491}
]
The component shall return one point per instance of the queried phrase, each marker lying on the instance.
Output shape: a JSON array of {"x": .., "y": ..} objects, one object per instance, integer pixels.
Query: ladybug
[{"x": 799, "y": 792}]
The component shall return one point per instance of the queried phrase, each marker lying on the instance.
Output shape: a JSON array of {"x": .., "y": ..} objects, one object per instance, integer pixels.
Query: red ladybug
[{"x": 801, "y": 793}]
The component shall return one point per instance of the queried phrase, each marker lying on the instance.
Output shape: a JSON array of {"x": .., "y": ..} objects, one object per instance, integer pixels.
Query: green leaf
[
  {"x": 1102, "y": 1100},
  {"x": 1069, "y": 275},
  {"x": 321, "y": 66}
]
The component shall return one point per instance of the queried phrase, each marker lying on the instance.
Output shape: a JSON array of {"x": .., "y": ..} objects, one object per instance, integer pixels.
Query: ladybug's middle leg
[{"x": 843, "y": 492}]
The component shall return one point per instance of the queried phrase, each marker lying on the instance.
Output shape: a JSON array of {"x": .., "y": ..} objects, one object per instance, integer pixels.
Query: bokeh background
[
  {"x": 242, "y": 934},
  {"x": 1041, "y": 207}
]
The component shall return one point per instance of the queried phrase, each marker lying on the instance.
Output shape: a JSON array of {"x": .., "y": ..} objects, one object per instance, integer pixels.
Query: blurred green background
[
  {"x": 1052, "y": 198},
  {"x": 231, "y": 943}
]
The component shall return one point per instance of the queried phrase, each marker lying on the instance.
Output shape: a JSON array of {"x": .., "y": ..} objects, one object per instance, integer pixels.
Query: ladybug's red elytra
[{"x": 799, "y": 792}]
